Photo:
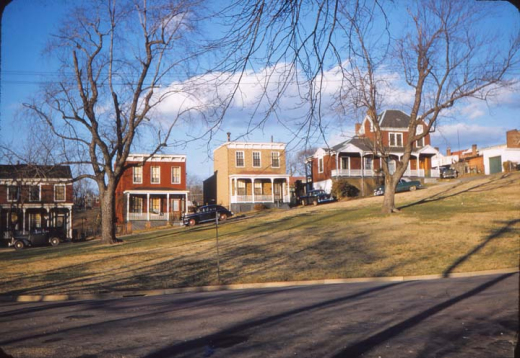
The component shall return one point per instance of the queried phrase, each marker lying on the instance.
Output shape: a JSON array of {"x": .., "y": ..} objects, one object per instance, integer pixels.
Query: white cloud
[{"x": 462, "y": 135}]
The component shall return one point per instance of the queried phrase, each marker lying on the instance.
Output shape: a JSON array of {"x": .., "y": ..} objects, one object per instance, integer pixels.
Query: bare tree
[
  {"x": 114, "y": 55},
  {"x": 441, "y": 49}
]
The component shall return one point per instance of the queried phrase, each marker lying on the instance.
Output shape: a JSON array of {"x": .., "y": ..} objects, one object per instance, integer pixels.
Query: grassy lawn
[{"x": 451, "y": 227}]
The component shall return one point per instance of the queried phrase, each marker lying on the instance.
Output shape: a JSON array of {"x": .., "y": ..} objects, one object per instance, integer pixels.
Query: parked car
[
  {"x": 205, "y": 214},
  {"x": 316, "y": 197},
  {"x": 20, "y": 240},
  {"x": 449, "y": 173},
  {"x": 403, "y": 185}
]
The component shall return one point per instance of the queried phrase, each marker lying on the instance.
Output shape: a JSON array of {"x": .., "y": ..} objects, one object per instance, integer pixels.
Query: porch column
[
  {"x": 230, "y": 190},
  {"x": 168, "y": 207},
  {"x": 418, "y": 168},
  {"x": 148, "y": 206},
  {"x": 253, "y": 189},
  {"x": 23, "y": 219},
  {"x": 272, "y": 190},
  {"x": 287, "y": 193},
  {"x": 127, "y": 207},
  {"x": 70, "y": 222}
]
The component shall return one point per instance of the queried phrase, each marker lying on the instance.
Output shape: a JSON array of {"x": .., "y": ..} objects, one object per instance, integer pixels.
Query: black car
[
  {"x": 20, "y": 240},
  {"x": 205, "y": 214},
  {"x": 316, "y": 197}
]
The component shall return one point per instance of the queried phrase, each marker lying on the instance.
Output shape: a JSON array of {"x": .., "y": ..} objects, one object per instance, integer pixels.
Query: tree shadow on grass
[
  {"x": 506, "y": 228},
  {"x": 494, "y": 183}
]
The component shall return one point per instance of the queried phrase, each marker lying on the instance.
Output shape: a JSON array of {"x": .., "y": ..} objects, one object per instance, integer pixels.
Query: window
[
  {"x": 155, "y": 205},
  {"x": 256, "y": 160},
  {"x": 34, "y": 193},
  {"x": 239, "y": 159},
  {"x": 13, "y": 193},
  {"x": 138, "y": 175},
  {"x": 136, "y": 204},
  {"x": 241, "y": 187},
  {"x": 176, "y": 175},
  {"x": 59, "y": 192},
  {"x": 156, "y": 175},
  {"x": 396, "y": 139},
  {"x": 344, "y": 162},
  {"x": 275, "y": 159},
  {"x": 35, "y": 221},
  {"x": 258, "y": 188},
  {"x": 368, "y": 163},
  {"x": 418, "y": 131},
  {"x": 320, "y": 165}
]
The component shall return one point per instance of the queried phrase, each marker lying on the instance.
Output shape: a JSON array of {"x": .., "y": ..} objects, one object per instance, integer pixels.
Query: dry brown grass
[{"x": 451, "y": 227}]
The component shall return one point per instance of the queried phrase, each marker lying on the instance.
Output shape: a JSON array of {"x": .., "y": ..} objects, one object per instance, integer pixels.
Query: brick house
[
  {"x": 246, "y": 174},
  {"x": 35, "y": 197},
  {"x": 152, "y": 191},
  {"x": 355, "y": 158}
]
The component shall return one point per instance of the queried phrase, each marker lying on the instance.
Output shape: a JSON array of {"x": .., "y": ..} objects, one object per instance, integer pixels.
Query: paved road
[{"x": 459, "y": 317}]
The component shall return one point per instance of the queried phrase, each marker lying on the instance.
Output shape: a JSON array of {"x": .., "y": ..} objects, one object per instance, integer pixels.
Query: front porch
[
  {"x": 259, "y": 189},
  {"x": 366, "y": 164},
  {"x": 167, "y": 206}
]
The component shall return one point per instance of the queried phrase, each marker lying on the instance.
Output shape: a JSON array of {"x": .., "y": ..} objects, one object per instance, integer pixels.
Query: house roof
[
  {"x": 35, "y": 171},
  {"x": 392, "y": 118}
]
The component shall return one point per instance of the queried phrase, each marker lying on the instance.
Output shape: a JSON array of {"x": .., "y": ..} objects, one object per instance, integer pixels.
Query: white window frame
[
  {"x": 320, "y": 165},
  {"x": 17, "y": 193},
  {"x": 179, "y": 177},
  {"x": 39, "y": 193},
  {"x": 241, "y": 185},
  {"x": 258, "y": 185},
  {"x": 155, "y": 205},
  {"x": 396, "y": 135},
  {"x": 242, "y": 158},
  {"x": 259, "y": 159},
  {"x": 158, "y": 172},
  {"x": 419, "y": 143},
  {"x": 64, "y": 193},
  {"x": 368, "y": 160},
  {"x": 275, "y": 156},
  {"x": 347, "y": 160},
  {"x": 139, "y": 168}
]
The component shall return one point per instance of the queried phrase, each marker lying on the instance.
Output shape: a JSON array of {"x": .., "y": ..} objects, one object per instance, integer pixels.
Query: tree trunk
[
  {"x": 389, "y": 198},
  {"x": 108, "y": 214}
]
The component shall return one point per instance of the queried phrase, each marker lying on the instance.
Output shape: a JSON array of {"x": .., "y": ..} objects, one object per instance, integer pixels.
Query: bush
[
  {"x": 259, "y": 207},
  {"x": 341, "y": 188}
]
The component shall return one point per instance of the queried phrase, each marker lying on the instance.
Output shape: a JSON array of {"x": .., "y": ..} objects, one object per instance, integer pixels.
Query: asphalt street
[{"x": 456, "y": 317}]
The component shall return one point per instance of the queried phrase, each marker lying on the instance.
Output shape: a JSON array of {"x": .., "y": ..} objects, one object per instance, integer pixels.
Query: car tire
[
  {"x": 19, "y": 245},
  {"x": 192, "y": 222},
  {"x": 222, "y": 217},
  {"x": 315, "y": 202},
  {"x": 54, "y": 241},
  {"x": 413, "y": 188}
]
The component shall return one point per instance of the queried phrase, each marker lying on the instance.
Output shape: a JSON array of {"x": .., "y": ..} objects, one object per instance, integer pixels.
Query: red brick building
[
  {"x": 35, "y": 197},
  {"x": 356, "y": 158},
  {"x": 152, "y": 189}
]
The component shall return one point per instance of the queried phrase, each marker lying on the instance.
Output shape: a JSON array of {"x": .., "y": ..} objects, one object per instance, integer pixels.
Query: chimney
[
  {"x": 358, "y": 127},
  {"x": 474, "y": 149},
  {"x": 229, "y": 136},
  {"x": 448, "y": 151},
  {"x": 272, "y": 140}
]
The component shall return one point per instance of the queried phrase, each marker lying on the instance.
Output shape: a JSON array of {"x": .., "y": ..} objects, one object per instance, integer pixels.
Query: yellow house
[{"x": 246, "y": 174}]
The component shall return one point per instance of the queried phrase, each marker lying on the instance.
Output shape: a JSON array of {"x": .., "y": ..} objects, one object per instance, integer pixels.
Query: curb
[{"x": 244, "y": 286}]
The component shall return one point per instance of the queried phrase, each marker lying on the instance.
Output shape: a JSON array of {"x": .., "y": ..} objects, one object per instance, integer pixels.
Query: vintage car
[
  {"x": 20, "y": 240},
  {"x": 404, "y": 184},
  {"x": 205, "y": 214},
  {"x": 449, "y": 173},
  {"x": 316, "y": 197}
]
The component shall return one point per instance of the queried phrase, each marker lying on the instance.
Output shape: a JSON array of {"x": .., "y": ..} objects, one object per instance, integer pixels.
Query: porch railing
[
  {"x": 144, "y": 216},
  {"x": 418, "y": 173},
  {"x": 258, "y": 199}
]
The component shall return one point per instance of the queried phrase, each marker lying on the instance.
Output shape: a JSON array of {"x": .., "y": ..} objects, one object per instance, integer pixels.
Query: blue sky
[{"x": 27, "y": 25}]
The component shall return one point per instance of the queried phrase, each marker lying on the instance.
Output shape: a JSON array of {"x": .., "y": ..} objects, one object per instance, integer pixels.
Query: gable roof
[
  {"x": 392, "y": 118},
  {"x": 18, "y": 171}
]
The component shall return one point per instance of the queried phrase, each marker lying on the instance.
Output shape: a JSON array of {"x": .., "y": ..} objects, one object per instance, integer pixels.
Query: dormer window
[{"x": 395, "y": 139}]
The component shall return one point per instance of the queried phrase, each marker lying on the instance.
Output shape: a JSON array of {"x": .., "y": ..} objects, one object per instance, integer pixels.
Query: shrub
[
  {"x": 259, "y": 207},
  {"x": 341, "y": 188}
]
